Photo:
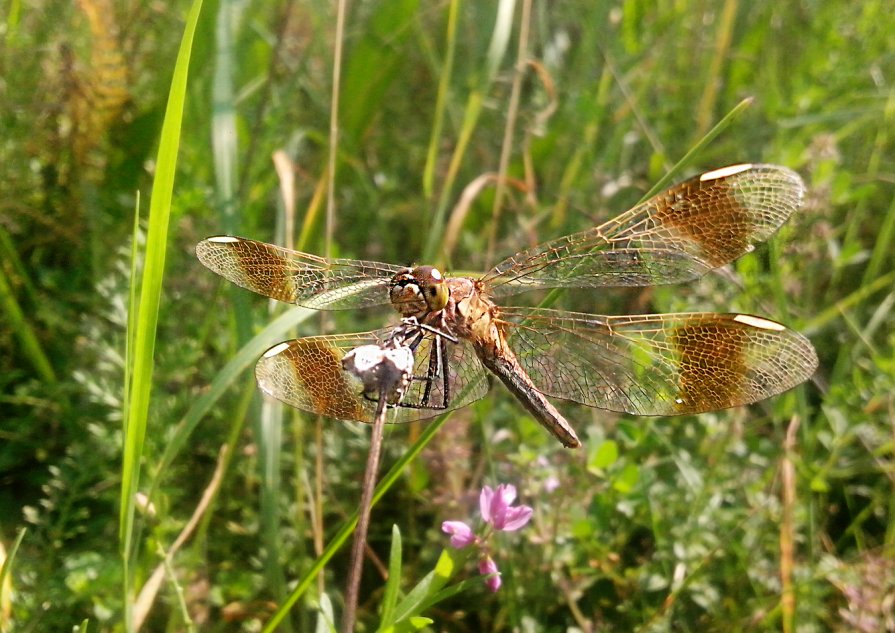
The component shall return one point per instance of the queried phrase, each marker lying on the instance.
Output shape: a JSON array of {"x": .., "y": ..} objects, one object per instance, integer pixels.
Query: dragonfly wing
[
  {"x": 307, "y": 373},
  {"x": 694, "y": 227},
  {"x": 295, "y": 277},
  {"x": 658, "y": 364}
]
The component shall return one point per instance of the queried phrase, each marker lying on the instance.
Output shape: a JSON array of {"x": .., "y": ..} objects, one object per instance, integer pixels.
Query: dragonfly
[{"x": 650, "y": 364}]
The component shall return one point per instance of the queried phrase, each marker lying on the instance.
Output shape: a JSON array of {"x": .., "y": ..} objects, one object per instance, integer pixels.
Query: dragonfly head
[{"x": 418, "y": 291}]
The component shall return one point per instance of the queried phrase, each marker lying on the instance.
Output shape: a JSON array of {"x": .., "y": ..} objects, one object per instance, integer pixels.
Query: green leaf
[
  {"x": 419, "y": 623},
  {"x": 627, "y": 479},
  {"x": 326, "y": 619},
  {"x": 394, "y": 579},
  {"x": 605, "y": 455},
  {"x": 429, "y": 586}
]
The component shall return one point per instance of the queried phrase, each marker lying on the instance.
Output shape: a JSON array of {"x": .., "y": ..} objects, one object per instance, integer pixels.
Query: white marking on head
[
  {"x": 436, "y": 274},
  {"x": 724, "y": 172},
  {"x": 276, "y": 349},
  {"x": 758, "y": 322},
  {"x": 223, "y": 239}
]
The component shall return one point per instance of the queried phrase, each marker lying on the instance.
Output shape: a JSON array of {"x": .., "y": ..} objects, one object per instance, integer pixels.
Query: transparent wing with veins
[
  {"x": 692, "y": 228},
  {"x": 658, "y": 364},
  {"x": 295, "y": 277}
]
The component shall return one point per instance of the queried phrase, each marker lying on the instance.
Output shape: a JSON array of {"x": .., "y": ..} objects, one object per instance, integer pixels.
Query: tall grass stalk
[{"x": 144, "y": 336}]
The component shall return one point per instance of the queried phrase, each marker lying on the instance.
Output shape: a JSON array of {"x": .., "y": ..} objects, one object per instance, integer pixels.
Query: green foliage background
[{"x": 657, "y": 524}]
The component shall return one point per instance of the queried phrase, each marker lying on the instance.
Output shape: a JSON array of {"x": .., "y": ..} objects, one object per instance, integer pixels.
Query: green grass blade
[
  {"x": 18, "y": 324},
  {"x": 394, "y": 580},
  {"x": 882, "y": 248},
  {"x": 826, "y": 317},
  {"x": 471, "y": 116},
  {"x": 448, "y": 562},
  {"x": 150, "y": 294},
  {"x": 719, "y": 56},
  {"x": 9, "y": 255},
  {"x": 436, "y": 227},
  {"x": 665, "y": 181},
  {"x": 5, "y": 584},
  {"x": 444, "y": 82},
  {"x": 223, "y": 121},
  {"x": 500, "y": 38},
  {"x": 230, "y": 373},
  {"x": 131, "y": 312},
  {"x": 373, "y": 64}
]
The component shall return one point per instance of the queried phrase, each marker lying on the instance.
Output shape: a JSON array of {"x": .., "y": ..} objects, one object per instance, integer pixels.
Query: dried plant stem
[
  {"x": 151, "y": 587},
  {"x": 341, "y": 10},
  {"x": 355, "y": 565},
  {"x": 512, "y": 114},
  {"x": 787, "y": 528}
]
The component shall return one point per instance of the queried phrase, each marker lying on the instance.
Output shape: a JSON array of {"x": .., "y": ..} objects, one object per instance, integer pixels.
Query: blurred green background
[{"x": 657, "y": 524}]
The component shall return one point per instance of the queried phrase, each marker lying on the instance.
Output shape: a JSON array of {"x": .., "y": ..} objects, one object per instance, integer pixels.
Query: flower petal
[
  {"x": 461, "y": 534},
  {"x": 506, "y": 493},
  {"x": 485, "y": 500},
  {"x": 516, "y": 518},
  {"x": 501, "y": 500}
]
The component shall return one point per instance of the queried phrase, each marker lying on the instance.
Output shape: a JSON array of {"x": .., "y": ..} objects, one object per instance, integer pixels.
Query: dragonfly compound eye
[{"x": 431, "y": 283}]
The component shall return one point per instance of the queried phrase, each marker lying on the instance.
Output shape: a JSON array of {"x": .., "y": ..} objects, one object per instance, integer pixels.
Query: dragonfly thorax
[{"x": 418, "y": 291}]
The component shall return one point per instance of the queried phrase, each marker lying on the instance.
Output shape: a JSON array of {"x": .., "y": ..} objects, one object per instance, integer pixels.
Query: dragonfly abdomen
[{"x": 506, "y": 367}]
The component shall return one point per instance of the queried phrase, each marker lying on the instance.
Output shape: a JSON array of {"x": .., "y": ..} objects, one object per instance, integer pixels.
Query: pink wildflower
[
  {"x": 497, "y": 508},
  {"x": 487, "y": 567},
  {"x": 461, "y": 534}
]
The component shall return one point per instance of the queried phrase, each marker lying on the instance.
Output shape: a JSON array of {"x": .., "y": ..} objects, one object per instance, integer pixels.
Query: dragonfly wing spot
[
  {"x": 276, "y": 349},
  {"x": 724, "y": 172},
  {"x": 223, "y": 239},
  {"x": 758, "y": 322}
]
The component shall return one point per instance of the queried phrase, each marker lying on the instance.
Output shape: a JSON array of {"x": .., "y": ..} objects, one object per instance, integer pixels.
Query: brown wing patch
[
  {"x": 711, "y": 214},
  {"x": 711, "y": 365},
  {"x": 256, "y": 266},
  {"x": 307, "y": 373}
]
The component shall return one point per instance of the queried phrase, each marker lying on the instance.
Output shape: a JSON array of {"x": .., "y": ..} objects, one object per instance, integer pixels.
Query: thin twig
[{"x": 363, "y": 521}]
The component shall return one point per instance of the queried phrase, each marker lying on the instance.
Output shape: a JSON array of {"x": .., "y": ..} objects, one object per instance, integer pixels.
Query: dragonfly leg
[
  {"x": 411, "y": 337},
  {"x": 435, "y": 367}
]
